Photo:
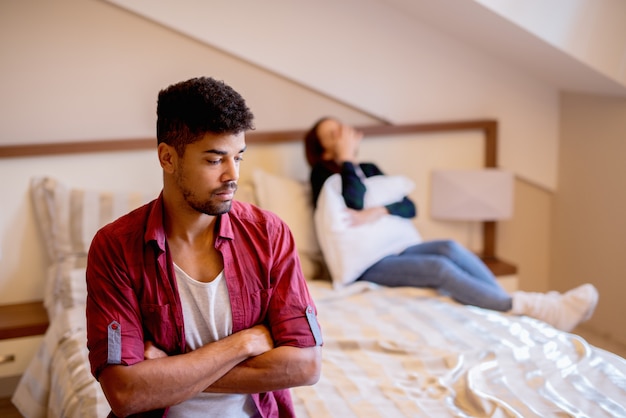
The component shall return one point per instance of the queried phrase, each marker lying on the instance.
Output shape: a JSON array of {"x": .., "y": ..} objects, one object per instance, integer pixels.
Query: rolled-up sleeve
[{"x": 114, "y": 331}]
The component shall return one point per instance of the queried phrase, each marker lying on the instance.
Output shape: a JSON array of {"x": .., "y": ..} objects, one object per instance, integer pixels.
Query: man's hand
[
  {"x": 260, "y": 340},
  {"x": 151, "y": 351},
  {"x": 164, "y": 380}
]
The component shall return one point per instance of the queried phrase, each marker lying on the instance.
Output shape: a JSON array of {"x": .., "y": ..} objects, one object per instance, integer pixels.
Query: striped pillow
[{"x": 68, "y": 219}]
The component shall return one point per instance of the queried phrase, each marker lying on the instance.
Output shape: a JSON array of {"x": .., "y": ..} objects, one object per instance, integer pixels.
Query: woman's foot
[{"x": 561, "y": 310}]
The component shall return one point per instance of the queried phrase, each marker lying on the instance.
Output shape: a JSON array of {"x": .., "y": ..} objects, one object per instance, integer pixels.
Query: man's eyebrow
[{"x": 222, "y": 152}]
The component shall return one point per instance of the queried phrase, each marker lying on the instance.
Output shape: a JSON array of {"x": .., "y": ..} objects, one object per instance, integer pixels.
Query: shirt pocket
[
  {"x": 253, "y": 308},
  {"x": 160, "y": 327}
]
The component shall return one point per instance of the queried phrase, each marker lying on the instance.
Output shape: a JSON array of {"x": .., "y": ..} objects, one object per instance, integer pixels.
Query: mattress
[{"x": 388, "y": 352}]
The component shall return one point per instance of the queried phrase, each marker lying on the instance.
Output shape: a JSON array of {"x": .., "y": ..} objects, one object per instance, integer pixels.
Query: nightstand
[
  {"x": 22, "y": 326},
  {"x": 505, "y": 273}
]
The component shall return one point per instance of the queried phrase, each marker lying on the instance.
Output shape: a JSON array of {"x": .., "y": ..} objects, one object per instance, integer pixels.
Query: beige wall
[
  {"x": 525, "y": 239},
  {"x": 366, "y": 53},
  {"x": 589, "y": 221},
  {"x": 79, "y": 70},
  {"x": 88, "y": 70},
  {"x": 82, "y": 70}
]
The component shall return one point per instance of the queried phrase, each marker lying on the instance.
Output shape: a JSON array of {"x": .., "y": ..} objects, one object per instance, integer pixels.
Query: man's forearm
[
  {"x": 280, "y": 368},
  {"x": 166, "y": 381}
]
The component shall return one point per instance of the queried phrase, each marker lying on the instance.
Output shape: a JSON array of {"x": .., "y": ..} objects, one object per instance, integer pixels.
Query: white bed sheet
[
  {"x": 407, "y": 352},
  {"x": 388, "y": 352}
]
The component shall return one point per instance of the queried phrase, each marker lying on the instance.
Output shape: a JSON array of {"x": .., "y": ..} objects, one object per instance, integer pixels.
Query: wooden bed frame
[{"x": 489, "y": 129}]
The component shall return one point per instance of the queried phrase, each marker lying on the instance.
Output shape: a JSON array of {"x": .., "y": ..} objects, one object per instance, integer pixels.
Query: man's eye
[
  {"x": 213, "y": 162},
  {"x": 239, "y": 159}
]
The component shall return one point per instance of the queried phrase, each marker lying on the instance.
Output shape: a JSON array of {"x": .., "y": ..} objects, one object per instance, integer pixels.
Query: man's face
[{"x": 207, "y": 173}]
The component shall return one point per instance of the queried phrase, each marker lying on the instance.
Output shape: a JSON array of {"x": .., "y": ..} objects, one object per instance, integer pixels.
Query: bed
[{"x": 388, "y": 352}]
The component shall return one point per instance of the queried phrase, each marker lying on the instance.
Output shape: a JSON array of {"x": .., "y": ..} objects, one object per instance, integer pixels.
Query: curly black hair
[{"x": 188, "y": 110}]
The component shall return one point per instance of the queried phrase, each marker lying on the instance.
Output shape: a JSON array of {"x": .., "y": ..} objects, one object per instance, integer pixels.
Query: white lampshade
[{"x": 472, "y": 195}]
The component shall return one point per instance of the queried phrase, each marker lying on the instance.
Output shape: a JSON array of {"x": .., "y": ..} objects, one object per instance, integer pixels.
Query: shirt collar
[
  {"x": 225, "y": 228},
  {"x": 155, "y": 230}
]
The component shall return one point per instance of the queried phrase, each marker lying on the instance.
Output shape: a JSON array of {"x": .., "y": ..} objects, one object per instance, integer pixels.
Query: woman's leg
[
  {"x": 459, "y": 255},
  {"x": 437, "y": 271}
]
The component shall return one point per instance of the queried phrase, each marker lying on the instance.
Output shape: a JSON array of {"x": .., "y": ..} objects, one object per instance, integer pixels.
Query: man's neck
[{"x": 186, "y": 224}]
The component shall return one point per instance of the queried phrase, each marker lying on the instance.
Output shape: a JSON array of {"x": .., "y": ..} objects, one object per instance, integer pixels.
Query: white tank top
[{"x": 207, "y": 316}]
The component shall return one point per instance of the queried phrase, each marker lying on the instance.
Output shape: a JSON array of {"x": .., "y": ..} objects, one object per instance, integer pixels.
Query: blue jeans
[{"x": 446, "y": 266}]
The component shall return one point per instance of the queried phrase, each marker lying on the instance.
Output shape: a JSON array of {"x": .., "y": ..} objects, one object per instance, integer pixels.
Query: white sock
[{"x": 563, "y": 311}]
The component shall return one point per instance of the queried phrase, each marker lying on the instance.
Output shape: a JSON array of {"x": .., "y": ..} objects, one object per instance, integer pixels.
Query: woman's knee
[
  {"x": 448, "y": 247},
  {"x": 438, "y": 265}
]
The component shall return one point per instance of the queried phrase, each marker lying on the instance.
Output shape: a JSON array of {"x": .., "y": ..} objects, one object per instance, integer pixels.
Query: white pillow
[
  {"x": 350, "y": 250},
  {"x": 291, "y": 200}
]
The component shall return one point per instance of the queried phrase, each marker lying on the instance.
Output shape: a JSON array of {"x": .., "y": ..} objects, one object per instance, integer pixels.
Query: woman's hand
[{"x": 365, "y": 216}]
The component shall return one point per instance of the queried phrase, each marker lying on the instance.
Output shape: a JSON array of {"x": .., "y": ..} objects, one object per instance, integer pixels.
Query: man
[{"x": 196, "y": 302}]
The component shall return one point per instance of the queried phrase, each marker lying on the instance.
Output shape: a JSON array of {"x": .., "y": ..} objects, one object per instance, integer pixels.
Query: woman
[{"x": 332, "y": 147}]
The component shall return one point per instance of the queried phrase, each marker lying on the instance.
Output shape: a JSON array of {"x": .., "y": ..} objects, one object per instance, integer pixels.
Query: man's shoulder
[
  {"x": 248, "y": 215},
  {"x": 251, "y": 212},
  {"x": 133, "y": 221},
  {"x": 125, "y": 235}
]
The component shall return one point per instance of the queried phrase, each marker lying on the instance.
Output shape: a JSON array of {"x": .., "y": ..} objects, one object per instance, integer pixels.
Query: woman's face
[{"x": 328, "y": 133}]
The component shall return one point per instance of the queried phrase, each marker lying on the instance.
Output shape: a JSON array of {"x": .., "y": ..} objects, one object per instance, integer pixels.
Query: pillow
[
  {"x": 291, "y": 200},
  {"x": 350, "y": 250},
  {"x": 68, "y": 219},
  {"x": 245, "y": 193}
]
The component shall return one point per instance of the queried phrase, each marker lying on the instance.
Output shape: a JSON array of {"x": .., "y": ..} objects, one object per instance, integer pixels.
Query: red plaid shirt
[{"x": 133, "y": 296}]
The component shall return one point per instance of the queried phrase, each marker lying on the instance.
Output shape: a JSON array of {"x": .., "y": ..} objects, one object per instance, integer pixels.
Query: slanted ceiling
[
  {"x": 316, "y": 43},
  {"x": 576, "y": 45},
  {"x": 404, "y": 61}
]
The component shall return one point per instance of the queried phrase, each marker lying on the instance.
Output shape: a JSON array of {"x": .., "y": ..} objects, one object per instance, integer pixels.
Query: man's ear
[{"x": 167, "y": 157}]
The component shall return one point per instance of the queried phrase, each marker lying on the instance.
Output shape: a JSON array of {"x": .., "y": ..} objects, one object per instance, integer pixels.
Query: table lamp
[{"x": 484, "y": 195}]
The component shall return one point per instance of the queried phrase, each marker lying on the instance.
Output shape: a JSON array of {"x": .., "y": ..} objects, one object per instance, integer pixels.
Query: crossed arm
[{"x": 244, "y": 362}]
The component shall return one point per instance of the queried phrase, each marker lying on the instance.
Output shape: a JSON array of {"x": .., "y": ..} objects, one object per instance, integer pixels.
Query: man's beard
[{"x": 209, "y": 206}]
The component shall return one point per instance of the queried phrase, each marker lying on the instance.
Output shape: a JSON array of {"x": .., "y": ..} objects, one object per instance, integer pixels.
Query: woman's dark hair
[
  {"x": 190, "y": 109},
  {"x": 312, "y": 146}
]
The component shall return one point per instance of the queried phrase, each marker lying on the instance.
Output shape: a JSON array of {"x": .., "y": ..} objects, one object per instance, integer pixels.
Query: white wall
[
  {"x": 592, "y": 31},
  {"x": 85, "y": 69},
  {"x": 81, "y": 70},
  {"x": 383, "y": 61}
]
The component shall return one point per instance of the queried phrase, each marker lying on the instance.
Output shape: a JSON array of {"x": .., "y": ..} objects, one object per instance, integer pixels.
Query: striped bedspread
[
  {"x": 389, "y": 353},
  {"x": 409, "y": 353}
]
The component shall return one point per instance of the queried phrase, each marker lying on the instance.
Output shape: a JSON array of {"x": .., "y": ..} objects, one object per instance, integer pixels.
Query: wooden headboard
[{"x": 488, "y": 129}]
